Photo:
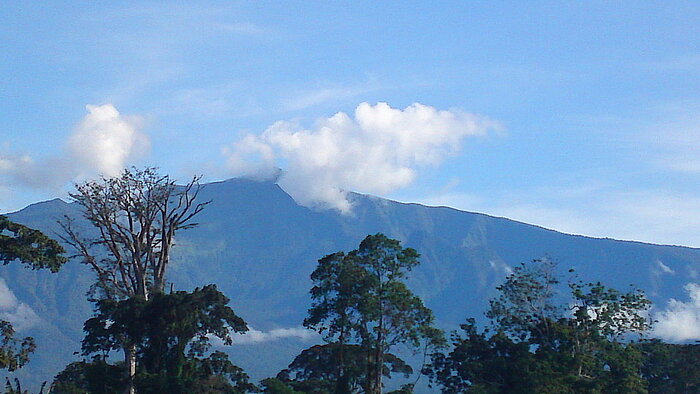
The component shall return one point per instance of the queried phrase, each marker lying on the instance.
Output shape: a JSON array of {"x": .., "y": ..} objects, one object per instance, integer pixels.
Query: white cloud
[
  {"x": 104, "y": 142},
  {"x": 680, "y": 321},
  {"x": 377, "y": 151},
  {"x": 257, "y": 336},
  {"x": 664, "y": 268},
  {"x": 11, "y": 309},
  {"x": 500, "y": 267}
]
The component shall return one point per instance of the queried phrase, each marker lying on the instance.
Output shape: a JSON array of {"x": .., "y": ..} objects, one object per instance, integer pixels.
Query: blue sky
[{"x": 578, "y": 116}]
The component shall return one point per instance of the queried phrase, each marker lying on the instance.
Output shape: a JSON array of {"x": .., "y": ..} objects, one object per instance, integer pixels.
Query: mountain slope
[{"x": 259, "y": 247}]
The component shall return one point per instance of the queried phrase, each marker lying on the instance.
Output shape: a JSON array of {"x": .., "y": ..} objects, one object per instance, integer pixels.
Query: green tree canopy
[
  {"x": 170, "y": 333},
  {"x": 541, "y": 342},
  {"x": 671, "y": 368},
  {"x": 315, "y": 370}
]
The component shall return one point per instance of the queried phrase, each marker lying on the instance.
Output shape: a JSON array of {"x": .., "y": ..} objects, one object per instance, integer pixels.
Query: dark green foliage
[
  {"x": 537, "y": 347},
  {"x": 95, "y": 377},
  {"x": 671, "y": 368},
  {"x": 359, "y": 298},
  {"x": 163, "y": 326},
  {"x": 213, "y": 374},
  {"x": 480, "y": 363},
  {"x": 28, "y": 246},
  {"x": 170, "y": 333},
  {"x": 405, "y": 389},
  {"x": 316, "y": 369},
  {"x": 14, "y": 353},
  {"x": 277, "y": 386}
]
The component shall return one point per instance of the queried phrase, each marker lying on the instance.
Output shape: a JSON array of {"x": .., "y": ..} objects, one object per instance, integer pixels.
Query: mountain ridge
[{"x": 372, "y": 196}]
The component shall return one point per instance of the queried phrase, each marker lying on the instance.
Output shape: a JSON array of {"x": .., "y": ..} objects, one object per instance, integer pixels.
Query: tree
[
  {"x": 360, "y": 297},
  {"x": 545, "y": 343},
  {"x": 136, "y": 216},
  {"x": 170, "y": 333},
  {"x": 19, "y": 243},
  {"x": 526, "y": 301}
]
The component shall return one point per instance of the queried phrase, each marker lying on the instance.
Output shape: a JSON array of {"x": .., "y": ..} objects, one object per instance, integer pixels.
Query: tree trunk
[
  {"x": 130, "y": 361},
  {"x": 342, "y": 385},
  {"x": 378, "y": 369}
]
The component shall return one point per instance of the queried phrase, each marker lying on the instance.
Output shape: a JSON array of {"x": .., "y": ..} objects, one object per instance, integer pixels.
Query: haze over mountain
[{"x": 259, "y": 246}]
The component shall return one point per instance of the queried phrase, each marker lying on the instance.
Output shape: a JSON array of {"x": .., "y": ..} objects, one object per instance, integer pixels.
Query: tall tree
[
  {"x": 360, "y": 297},
  {"x": 136, "y": 216},
  {"x": 19, "y": 243}
]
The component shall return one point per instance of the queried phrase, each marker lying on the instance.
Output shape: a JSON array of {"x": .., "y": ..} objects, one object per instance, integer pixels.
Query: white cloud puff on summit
[
  {"x": 680, "y": 321},
  {"x": 378, "y": 150}
]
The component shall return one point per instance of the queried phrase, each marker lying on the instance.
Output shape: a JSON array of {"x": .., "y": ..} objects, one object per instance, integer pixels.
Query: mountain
[{"x": 259, "y": 247}]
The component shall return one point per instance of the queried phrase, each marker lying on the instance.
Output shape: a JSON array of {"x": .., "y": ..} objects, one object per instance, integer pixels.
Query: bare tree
[{"x": 136, "y": 216}]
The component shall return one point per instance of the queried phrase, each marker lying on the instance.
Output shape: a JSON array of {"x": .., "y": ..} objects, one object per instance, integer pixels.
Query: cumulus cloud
[
  {"x": 378, "y": 150},
  {"x": 105, "y": 140},
  {"x": 680, "y": 321},
  {"x": 256, "y": 336},
  {"x": 11, "y": 309},
  {"x": 103, "y": 143}
]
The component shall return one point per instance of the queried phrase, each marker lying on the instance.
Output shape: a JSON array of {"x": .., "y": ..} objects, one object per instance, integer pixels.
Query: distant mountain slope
[{"x": 259, "y": 247}]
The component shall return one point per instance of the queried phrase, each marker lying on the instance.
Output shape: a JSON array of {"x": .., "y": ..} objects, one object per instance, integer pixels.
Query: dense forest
[{"x": 540, "y": 338}]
